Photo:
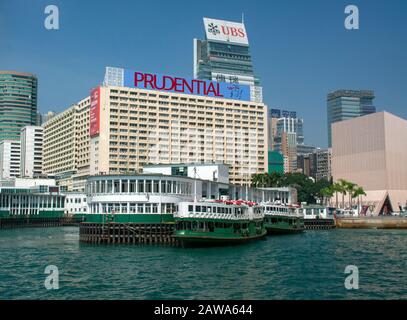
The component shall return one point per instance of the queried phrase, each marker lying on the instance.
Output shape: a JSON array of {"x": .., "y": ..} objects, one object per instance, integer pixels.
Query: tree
[
  {"x": 327, "y": 193},
  {"x": 342, "y": 186},
  {"x": 337, "y": 189},
  {"x": 357, "y": 193}
]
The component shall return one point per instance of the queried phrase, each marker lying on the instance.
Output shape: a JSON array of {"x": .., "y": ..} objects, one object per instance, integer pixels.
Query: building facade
[
  {"x": 371, "y": 151},
  {"x": 120, "y": 129},
  {"x": 10, "y": 151},
  {"x": 31, "y": 141},
  {"x": 275, "y": 162},
  {"x": 323, "y": 167},
  {"x": 18, "y": 103},
  {"x": 348, "y": 104},
  {"x": 66, "y": 146}
]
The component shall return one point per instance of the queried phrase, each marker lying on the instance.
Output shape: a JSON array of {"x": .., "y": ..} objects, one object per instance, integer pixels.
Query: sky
[{"x": 301, "y": 50}]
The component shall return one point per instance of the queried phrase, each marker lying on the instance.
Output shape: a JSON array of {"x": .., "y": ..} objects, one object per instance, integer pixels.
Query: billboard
[
  {"x": 149, "y": 81},
  {"x": 225, "y": 31},
  {"x": 94, "y": 112}
]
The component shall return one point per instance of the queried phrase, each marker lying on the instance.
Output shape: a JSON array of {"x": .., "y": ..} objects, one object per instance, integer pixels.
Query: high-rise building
[
  {"x": 42, "y": 118},
  {"x": 9, "y": 159},
  {"x": 288, "y": 148},
  {"x": 284, "y": 121},
  {"x": 323, "y": 164},
  {"x": 348, "y": 104},
  {"x": 31, "y": 151},
  {"x": 371, "y": 151},
  {"x": 130, "y": 122},
  {"x": 66, "y": 146},
  {"x": 18, "y": 103},
  {"x": 224, "y": 55}
]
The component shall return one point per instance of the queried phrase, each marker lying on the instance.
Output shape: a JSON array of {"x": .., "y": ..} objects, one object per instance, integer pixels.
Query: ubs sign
[{"x": 225, "y": 31}]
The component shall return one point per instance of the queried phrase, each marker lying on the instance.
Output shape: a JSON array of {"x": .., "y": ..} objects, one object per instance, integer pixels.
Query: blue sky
[{"x": 301, "y": 50}]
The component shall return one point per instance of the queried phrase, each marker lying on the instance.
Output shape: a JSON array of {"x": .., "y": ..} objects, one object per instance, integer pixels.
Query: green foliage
[{"x": 308, "y": 190}]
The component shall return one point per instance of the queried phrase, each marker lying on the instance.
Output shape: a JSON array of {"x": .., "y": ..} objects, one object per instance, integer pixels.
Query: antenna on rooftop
[{"x": 242, "y": 17}]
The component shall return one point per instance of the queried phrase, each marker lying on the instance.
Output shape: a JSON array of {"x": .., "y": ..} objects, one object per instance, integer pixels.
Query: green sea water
[{"x": 305, "y": 266}]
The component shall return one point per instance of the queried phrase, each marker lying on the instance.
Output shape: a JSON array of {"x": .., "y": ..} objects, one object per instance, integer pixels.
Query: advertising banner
[
  {"x": 225, "y": 31},
  {"x": 134, "y": 79},
  {"x": 94, "y": 113}
]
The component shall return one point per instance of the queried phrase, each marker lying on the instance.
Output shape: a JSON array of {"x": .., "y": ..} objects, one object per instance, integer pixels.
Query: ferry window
[
  {"x": 214, "y": 209},
  {"x": 198, "y": 209},
  {"x": 209, "y": 209},
  {"x": 194, "y": 225},
  {"x": 211, "y": 226},
  {"x": 201, "y": 225},
  {"x": 188, "y": 225},
  {"x": 190, "y": 208},
  {"x": 244, "y": 225},
  {"x": 155, "y": 208},
  {"x": 132, "y": 208},
  {"x": 148, "y": 208},
  {"x": 124, "y": 186},
  {"x": 124, "y": 207},
  {"x": 140, "y": 208},
  {"x": 308, "y": 211},
  {"x": 203, "y": 209}
]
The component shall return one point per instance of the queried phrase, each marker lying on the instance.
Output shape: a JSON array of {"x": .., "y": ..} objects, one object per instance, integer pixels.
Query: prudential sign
[{"x": 150, "y": 81}]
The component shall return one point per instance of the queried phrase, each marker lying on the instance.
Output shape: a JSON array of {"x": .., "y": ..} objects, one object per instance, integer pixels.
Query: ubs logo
[{"x": 213, "y": 28}]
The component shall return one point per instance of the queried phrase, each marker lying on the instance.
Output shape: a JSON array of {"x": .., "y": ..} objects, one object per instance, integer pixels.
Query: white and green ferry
[
  {"x": 212, "y": 223},
  {"x": 282, "y": 219}
]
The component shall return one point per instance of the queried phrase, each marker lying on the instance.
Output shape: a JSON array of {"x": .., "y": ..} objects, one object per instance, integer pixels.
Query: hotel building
[
  {"x": 130, "y": 127},
  {"x": 371, "y": 152},
  {"x": 66, "y": 146}
]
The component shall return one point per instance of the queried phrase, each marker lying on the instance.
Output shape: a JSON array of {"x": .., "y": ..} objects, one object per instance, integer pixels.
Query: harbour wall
[
  {"x": 372, "y": 223},
  {"x": 319, "y": 224},
  {"x": 39, "y": 222},
  {"x": 127, "y": 233}
]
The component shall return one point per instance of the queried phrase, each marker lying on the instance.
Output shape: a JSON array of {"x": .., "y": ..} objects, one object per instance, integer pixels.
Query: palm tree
[
  {"x": 327, "y": 193},
  {"x": 337, "y": 189},
  {"x": 350, "y": 188},
  {"x": 358, "y": 192},
  {"x": 342, "y": 189}
]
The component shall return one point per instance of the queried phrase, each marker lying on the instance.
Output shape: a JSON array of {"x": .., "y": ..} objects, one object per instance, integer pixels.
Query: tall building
[
  {"x": 323, "y": 164},
  {"x": 31, "y": 151},
  {"x": 371, "y": 151},
  {"x": 9, "y": 159},
  {"x": 224, "y": 55},
  {"x": 66, "y": 146},
  {"x": 284, "y": 121},
  {"x": 42, "y": 118},
  {"x": 18, "y": 103},
  {"x": 288, "y": 148},
  {"x": 136, "y": 119},
  {"x": 348, "y": 104}
]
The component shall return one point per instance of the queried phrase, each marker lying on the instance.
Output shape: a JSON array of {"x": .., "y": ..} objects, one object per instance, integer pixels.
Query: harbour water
[{"x": 304, "y": 266}]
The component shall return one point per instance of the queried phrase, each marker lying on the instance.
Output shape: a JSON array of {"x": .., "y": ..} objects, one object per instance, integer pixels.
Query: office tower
[
  {"x": 18, "y": 103},
  {"x": 9, "y": 159},
  {"x": 224, "y": 56},
  {"x": 348, "y": 104},
  {"x": 31, "y": 151}
]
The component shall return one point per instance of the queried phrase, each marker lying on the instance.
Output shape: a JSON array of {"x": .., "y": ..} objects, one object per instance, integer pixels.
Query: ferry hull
[
  {"x": 282, "y": 230},
  {"x": 187, "y": 241}
]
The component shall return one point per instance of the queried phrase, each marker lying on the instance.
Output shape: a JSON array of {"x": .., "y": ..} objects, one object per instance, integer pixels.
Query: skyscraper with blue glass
[
  {"x": 224, "y": 56},
  {"x": 348, "y": 104},
  {"x": 18, "y": 103}
]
